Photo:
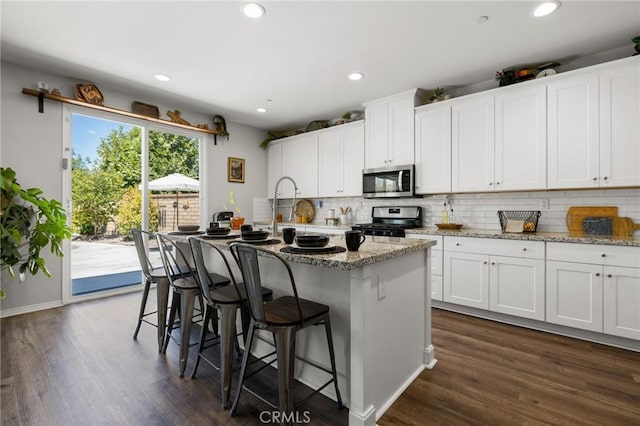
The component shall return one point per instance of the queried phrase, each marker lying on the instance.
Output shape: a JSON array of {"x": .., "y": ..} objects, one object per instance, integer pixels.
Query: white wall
[{"x": 31, "y": 144}]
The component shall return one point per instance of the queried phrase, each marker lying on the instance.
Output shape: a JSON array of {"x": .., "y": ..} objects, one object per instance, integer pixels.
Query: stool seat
[
  {"x": 229, "y": 294},
  {"x": 284, "y": 311}
]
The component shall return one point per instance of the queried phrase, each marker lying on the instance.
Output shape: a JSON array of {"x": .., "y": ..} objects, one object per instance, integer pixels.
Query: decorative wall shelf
[{"x": 66, "y": 100}]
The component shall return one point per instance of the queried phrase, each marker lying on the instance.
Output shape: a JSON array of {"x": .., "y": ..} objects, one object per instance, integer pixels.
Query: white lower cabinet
[
  {"x": 594, "y": 287},
  {"x": 622, "y": 301},
  {"x": 436, "y": 263},
  {"x": 574, "y": 295},
  {"x": 436, "y": 273},
  {"x": 517, "y": 286},
  {"x": 498, "y": 275},
  {"x": 466, "y": 279}
]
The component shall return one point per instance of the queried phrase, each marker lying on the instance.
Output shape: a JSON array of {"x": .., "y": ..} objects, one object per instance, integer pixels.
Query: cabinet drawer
[
  {"x": 514, "y": 248},
  {"x": 595, "y": 254}
]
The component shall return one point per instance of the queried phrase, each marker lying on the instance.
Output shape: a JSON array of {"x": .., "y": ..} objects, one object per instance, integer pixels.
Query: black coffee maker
[{"x": 222, "y": 217}]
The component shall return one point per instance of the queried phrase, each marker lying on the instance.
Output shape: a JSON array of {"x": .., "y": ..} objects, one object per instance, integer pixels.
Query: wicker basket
[{"x": 530, "y": 218}]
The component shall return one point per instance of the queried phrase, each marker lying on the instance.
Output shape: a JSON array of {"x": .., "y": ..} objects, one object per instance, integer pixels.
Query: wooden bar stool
[
  {"x": 225, "y": 301},
  {"x": 284, "y": 317}
]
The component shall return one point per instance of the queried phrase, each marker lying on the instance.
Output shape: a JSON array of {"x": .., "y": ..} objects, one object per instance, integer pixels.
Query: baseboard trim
[{"x": 4, "y": 313}]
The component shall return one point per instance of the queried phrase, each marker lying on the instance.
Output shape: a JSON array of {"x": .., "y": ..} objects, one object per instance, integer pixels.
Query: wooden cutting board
[
  {"x": 624, "y": 227},
  {"x": 576, "y": 214}
]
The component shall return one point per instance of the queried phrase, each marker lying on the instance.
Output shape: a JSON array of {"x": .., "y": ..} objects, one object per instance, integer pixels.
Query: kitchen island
[{"x": 380, "y": 313}]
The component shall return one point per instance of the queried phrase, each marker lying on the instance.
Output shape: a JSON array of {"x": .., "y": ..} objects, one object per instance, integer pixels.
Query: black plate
[
  {"x": 220, "y": 237},
  {"x": 218, "y": 231},
  {"x": 255, "y": 235},
  {"x": 312, "y": 240},
  {"x": 268, "y": 242},
  {"x": 313, "y": 250},
  {"x": 186, "y": 232}
]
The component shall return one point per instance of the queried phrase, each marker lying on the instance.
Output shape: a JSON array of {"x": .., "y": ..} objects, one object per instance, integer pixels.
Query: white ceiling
[{"x": 300, "y": 53}]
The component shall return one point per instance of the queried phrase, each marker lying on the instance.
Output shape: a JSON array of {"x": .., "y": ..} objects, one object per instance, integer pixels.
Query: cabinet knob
[
  {"x": 485, "y": 262},
  {"x": 603, "y": 255},
  {"x": 609, "y": 275},
  {"x": 524, "y": 249},
  {"x": 497, "y": 183},
  {"x": 490, "y": 183},
  {"x": 606, "y": 177},
  {"x": 597, "y": 274},
  {"x": 457, "y": 244},
  {"x": 493, "y": 263},
  {"x": 595, "y": 179}
]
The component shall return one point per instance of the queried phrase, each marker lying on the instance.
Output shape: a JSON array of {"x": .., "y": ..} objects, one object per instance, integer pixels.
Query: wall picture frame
[{"x": 235, "y": 169}]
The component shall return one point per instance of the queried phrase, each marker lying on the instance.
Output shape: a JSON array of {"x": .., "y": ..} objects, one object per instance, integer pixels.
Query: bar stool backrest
[
  {"x": 246, "y": 255},
  {"x": 175, "y": 262},
  {"x": 199, "y": 249},
  {"x": 141, "y": 239}
]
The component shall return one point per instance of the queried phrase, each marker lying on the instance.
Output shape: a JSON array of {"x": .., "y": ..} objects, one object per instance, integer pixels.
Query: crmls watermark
[{"x": 277, "y": 417}]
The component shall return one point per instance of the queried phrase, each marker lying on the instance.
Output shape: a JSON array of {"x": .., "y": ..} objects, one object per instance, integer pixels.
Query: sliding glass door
[{"x": 122, "y": 175}]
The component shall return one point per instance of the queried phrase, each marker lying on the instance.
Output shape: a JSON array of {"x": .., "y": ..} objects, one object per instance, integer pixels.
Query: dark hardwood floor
[
  {"x": 490, "y": 373},
  {"x": 78, "y": 365}
]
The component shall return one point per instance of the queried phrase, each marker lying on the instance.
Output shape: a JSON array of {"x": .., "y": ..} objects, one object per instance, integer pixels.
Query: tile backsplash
[{"x": 478, "y": 211}]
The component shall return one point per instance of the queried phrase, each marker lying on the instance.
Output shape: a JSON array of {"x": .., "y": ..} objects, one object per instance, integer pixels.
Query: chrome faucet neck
[{"x": 274, "y": 223}]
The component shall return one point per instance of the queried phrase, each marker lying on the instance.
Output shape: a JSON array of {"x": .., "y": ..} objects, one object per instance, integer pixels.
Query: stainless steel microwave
[{"x": 386, "y": 182}]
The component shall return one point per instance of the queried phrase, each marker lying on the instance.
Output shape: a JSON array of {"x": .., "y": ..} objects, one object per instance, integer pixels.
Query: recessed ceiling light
[
  {"x": 261, "y": 109},
  {"x": 355, "y": 76},
  {"x": 253, "y": 10},
  {"x": 162, "y": 77},
  {"x": 546, "y": 8}
]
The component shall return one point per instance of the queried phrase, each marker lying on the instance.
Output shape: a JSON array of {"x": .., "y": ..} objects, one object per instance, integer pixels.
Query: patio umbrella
[{"x": 175, "y": 182}]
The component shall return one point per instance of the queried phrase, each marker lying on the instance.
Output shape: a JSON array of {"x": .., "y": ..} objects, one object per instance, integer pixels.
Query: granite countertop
[
  {"x": 556, "y": 237},
  {"x": 373, "y": 250}
]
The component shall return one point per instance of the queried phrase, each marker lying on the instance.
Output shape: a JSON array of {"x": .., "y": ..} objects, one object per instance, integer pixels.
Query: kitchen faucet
[{"x": 274, "y": 225}]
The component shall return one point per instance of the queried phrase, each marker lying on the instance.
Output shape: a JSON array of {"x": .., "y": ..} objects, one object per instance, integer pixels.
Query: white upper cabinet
[
  {"x": 620, "y": 125},
  {"x": 594, "y": 130},
  {"x": 341, "y": 160},
  {"x": 433, "y": 149},
  {"x": 389, "y": 130},
  {"x": 499, "y": 140},
  {"x": 298, "y": 160},
  {"x": 274, "y": 167},
  {"x": 573, "y": 132},
  {"x": 472, "y": 144},
  {"x": 521, "y": 139}
]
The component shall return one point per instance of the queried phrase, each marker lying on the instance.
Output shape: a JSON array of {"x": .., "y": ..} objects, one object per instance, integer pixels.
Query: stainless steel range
[{"x": 391, "y": 221}]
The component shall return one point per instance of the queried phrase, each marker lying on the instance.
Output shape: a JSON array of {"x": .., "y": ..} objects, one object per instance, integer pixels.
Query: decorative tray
[
  {"x": 449, "y": 225},
  {"x": 313, "y": 250},
  {"x": 305, "y": 208}
]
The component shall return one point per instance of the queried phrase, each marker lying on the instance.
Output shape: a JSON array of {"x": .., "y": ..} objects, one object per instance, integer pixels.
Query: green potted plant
[
  {"x": 438, "y": 94},
  {"x": 636, "y": 40},
  {"x": 28, "y": 223}
]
